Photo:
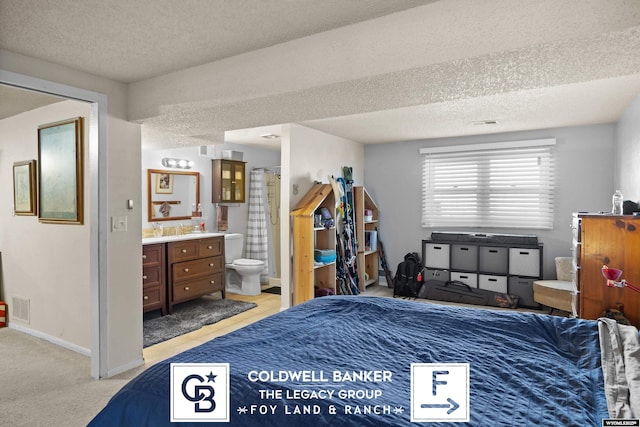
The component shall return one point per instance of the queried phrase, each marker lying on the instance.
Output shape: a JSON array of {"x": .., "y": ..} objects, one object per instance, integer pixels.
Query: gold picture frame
[
  {"x": 24, "y": 188},
  {"x": 164, "y": 183},
  {"x": 61, "y": 172}
]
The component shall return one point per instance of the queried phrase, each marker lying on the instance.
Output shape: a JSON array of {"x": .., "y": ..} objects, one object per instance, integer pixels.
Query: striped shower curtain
[{"x": 257, "y": 244}]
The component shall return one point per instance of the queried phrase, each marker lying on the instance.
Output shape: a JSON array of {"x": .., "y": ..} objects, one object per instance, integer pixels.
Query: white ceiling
[{"x": 528, "y": 64}]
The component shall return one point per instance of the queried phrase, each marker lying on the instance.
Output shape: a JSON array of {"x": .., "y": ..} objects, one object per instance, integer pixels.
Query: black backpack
[{"x": 408, "y": 279}]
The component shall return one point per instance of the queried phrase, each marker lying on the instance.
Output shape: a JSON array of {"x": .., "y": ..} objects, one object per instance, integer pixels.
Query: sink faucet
[{"x": 179, "y": 230}]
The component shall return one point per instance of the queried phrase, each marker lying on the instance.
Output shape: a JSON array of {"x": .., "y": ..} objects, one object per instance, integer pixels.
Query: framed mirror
[{"x": 172, "y": 195}]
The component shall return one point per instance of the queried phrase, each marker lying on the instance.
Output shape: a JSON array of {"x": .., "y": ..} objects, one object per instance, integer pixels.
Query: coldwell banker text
[{"x": 319, "y": 376}]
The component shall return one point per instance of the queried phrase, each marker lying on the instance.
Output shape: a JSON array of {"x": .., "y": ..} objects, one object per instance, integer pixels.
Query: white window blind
[{"x": 508, "y": 185}]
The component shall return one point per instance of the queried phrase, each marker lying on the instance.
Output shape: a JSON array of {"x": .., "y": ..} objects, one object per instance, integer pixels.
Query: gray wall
[
  {"x": 255, "y": 157},
  {"x": 584, "y": 182},
  {"x": 627, "y": 170},
  {"x": 238, "y": 213}
]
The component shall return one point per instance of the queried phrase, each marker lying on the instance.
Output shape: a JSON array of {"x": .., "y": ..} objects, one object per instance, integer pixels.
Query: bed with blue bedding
[{"x": 348, "y": 361}]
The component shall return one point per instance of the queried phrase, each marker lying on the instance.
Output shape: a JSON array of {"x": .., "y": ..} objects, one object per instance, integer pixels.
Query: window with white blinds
[{"x": 507, "y": 185}]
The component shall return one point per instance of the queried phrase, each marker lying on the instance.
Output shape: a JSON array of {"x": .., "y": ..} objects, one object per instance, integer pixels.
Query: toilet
[{"x": 242, "y": 275}]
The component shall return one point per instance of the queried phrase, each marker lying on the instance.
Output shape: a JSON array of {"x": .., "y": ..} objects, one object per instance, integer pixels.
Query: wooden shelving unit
[
  {"x": 368, "y": 258},
  {"x": 307, "y": 275}
]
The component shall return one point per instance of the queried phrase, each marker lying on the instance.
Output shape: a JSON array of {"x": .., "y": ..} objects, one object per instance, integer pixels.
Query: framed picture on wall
[
  {"x": 164, "y": 183},
  {"x": 60, "y": 172},
  {"x": 24, "y": 188}
]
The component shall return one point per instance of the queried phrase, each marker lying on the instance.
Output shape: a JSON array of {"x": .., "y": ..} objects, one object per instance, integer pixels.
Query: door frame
[{"x": 98, "y": 218}]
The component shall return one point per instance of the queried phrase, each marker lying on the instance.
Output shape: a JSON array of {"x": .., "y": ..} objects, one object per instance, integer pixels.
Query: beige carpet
[{"x": 42, "y": 384}]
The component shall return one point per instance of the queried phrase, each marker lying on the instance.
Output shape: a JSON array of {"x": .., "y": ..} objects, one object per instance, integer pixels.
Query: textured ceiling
[
  {"x": 128, "y": 40},
  {"x": 422, "y": 69},
  {"x": 14, "y": 101}
]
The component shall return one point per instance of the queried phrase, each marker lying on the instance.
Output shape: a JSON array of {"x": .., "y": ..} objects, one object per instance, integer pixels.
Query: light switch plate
[{"x": 118, "y": 223}]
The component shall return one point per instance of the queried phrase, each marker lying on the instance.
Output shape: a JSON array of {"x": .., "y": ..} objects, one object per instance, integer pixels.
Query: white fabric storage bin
[
  {"x": 524, "y": 262},
  {"x": 436, "y": 255},
  {"x": 493, "y": 283},
  {"x": 469, "y": 279}
]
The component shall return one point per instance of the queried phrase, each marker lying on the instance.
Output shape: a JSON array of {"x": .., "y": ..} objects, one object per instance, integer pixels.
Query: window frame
[{"x": 509, "y": 200}]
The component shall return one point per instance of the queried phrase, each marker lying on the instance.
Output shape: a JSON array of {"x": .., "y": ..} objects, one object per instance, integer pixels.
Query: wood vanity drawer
[
  {"x": 152, "y": 254},
  {"x": 194, "y": 288},
  {"x": 218, "y": 263},
  {"x": 154, "y": 276},
  {"x": 211, "y": 247},
  {"x": 196, "y": 268},
  {"x": 153, "y": 299},
  {"x": 183, "y": 250},
  {"x": 151, "y": 276},
  {"x": 151, "y": 296}
]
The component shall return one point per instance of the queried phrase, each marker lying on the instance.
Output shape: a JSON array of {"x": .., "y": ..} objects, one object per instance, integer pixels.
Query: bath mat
[
  {"x": 189, "y": 316},
  {"x": 272, "y": 290}
]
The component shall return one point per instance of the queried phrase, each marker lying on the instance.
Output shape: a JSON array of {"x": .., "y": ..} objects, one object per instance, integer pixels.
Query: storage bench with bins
[{"x": 497, "y": 262}]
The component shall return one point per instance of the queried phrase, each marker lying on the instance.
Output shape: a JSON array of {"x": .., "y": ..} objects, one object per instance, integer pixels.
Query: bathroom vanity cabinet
[
  {"x": 195, "y": 268},
  {"x": 176, "y": 269},
  {"x": 154, "y": 284}
]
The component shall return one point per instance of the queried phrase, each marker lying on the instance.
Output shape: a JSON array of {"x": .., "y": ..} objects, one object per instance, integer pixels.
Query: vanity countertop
[{"x": 190, "y": 236}]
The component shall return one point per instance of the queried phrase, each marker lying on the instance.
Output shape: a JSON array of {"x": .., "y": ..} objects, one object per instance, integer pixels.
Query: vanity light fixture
[{"x": 177, "y": 163}]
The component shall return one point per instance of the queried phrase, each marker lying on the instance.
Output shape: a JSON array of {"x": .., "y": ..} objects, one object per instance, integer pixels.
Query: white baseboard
[
  {"x": 74, "y": 347},
  {"x": 51, "y": 339},
  {"x": 125, "y": 368}
]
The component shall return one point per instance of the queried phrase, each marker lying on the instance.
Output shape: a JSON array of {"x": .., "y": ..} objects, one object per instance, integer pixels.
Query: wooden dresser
[
  {"x": 154, "y": 283},
  {"x": 613, "y": 240},
  {"x": 195, "y": 268}
]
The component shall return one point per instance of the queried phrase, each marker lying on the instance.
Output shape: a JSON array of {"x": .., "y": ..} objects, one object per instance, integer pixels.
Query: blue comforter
[{"x": 524, "y": 369}]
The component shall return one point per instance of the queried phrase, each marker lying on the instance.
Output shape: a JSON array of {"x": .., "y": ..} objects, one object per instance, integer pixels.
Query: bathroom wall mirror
[{"x": 172, "y": 195}]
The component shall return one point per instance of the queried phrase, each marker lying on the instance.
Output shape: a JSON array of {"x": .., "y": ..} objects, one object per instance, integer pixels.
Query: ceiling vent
[{"x": 207, "y": 151}]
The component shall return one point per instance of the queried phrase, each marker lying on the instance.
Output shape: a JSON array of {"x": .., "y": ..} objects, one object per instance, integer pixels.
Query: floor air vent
[{"x": 20, "y": 309}]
